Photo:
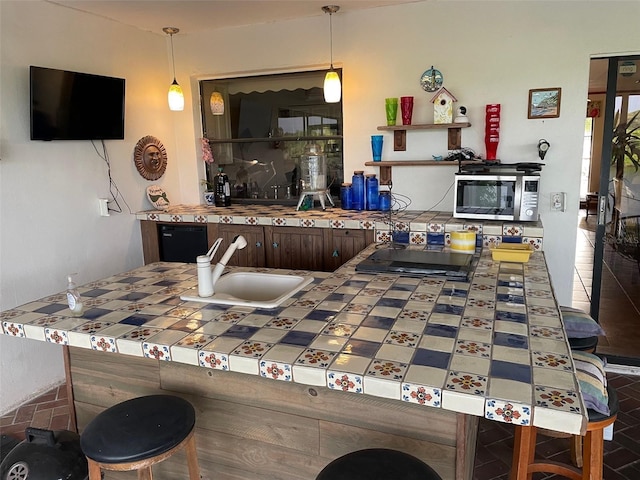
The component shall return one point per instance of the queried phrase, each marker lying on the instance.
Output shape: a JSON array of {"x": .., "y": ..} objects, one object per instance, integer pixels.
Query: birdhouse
[{"x": 443, "y": 106}]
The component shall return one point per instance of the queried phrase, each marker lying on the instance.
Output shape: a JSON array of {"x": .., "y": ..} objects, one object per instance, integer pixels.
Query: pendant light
[
  {"x": 216, "y": 103},
  {"x": 175, "y": 96},
  {"x": 332, "y": 87}
]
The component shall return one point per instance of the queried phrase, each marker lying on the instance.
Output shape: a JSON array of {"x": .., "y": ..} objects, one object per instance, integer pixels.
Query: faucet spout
[{"x": 238, "y": 243}]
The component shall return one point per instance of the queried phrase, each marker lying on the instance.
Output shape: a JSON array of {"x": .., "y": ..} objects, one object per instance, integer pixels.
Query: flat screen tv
[{"x": 75, "y": 106}]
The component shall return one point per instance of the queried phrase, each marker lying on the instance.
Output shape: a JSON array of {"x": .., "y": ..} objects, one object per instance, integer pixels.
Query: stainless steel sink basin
[{"x": 253, "y": 289}]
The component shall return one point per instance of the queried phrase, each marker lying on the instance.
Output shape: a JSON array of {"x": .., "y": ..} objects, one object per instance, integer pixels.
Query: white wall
[
  {"x": 49, "y": 190},
  {"x": 489, "y": 52}
]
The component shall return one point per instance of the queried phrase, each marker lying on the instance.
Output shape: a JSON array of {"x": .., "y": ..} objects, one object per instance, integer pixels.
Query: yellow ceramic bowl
[{"x": 512, "y": 252}]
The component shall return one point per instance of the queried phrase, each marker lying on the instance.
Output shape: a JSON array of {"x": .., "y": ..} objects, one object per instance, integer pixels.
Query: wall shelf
[
  {"x": 454, "y": 142},
  {"x": 400, "y": 133},
  {"x": 386, "y": 166}
]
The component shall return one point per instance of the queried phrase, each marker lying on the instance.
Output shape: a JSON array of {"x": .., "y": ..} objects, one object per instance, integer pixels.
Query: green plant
[
  {"x": 625, "y": 151},
  {"x": 208, "y": 186},
  {"x": 626, "y": 144}
]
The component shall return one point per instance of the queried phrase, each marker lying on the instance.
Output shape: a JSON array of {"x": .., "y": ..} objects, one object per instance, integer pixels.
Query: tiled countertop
[
  {"x": 421, "y": 227},
  {"x": 492, "y": 347}
]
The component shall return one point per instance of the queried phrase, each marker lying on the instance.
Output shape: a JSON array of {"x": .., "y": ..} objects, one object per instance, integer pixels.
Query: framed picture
[{"x": 544, "y": 102}]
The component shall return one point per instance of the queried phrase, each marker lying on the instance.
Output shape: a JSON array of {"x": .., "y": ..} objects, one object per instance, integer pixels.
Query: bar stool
[
  {"x": 377, "y": 464},
  {"x": 138, "y": 433},
  {"x": 524, "y": 449}
]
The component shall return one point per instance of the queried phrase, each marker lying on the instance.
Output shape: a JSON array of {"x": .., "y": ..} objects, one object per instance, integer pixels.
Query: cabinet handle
[
  {"x": 335, "y": 253},
  {"x": 258, "y": 244},
  {"x": 275, "y": 245}
]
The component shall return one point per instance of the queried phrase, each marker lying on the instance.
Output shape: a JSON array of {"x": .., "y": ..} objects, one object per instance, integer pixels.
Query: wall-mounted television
[{"x": 75, "y": 106}]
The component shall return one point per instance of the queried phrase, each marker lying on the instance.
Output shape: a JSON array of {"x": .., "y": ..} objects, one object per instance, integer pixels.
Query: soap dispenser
[{"x": 73, "y": 296}]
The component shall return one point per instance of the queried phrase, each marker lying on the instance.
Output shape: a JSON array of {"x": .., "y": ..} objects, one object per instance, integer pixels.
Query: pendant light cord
[
  {"x": 331, "y": 37},
  {"x": 173, "y": 58}
]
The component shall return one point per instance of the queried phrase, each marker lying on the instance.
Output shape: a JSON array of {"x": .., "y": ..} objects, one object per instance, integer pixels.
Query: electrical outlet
[
  {"x": 558, "y": 201},
  {"x": 104, "y": 207}
]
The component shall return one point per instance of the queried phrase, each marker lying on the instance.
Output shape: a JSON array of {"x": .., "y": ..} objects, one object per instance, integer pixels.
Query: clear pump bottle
[{"x": 73, "y": 296}]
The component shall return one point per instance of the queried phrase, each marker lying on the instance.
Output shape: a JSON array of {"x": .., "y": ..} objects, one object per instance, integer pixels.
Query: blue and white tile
[
  {"x": 383, "y": 378},
  {"x": 555, "y": 409},
  {"x": 346, "y": 373},
  {"x": 187, "y": 349},
  {"x": 277, "y": 363},
  {"x": 158, "y": 346},
  {"x": 310, "y": 367},
  {"x": 508, "y": 412},
  {"x": 246, "y": 356},
  {"x": 464, "y": 393}
]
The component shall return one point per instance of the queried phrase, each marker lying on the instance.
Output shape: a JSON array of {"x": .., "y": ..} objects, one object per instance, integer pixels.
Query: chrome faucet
[{"x": 207, "y": 277}]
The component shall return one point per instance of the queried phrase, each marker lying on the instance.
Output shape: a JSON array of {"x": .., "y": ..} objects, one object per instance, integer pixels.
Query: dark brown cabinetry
[
  {"x": 342, "y": 245},
  {"x": 252, "y": 255},
  {"x": 320, "y": 249},
  {"x": 296, "y": 248}
]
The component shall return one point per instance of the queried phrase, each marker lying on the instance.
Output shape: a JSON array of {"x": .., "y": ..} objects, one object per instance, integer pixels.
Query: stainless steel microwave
[{"x": 512, "y": 196}]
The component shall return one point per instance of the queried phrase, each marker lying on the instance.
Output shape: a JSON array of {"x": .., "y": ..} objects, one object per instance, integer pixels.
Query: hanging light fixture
[
  {"x": 175, "y": 96},
  {"x": 332, "y": 87},
  {"x": 216, "y": 103}
]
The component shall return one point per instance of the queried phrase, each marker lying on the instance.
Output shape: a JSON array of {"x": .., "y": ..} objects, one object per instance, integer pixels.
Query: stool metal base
[{"x": 319, "y": 194}]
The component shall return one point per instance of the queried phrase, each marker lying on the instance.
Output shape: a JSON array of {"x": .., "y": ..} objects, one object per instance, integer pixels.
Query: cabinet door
[
  {"x": 342, "y": 245},
  {"x": 295, "y": 248},
  {"x": 250, "y": 256},
  {"x": 150, "y": 241}
]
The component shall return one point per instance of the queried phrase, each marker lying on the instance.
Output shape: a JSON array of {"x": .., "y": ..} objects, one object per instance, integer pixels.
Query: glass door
[{"x": 616, "y": 275}]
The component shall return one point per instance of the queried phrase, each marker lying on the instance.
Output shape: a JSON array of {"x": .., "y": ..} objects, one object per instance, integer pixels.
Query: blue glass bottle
[
  {"x": 357, "y": 190},
  {"x": 384, "y": 201},
  {"x": 346, "y": 196},
  {"x": 371, "y": 187}
]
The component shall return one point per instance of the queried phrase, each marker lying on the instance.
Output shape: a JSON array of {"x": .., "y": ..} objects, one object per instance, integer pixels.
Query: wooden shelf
[
  {"x": 400, "y": 133},
  {"x": 385, "y": 166},
  {"x": 454, "y": 142},
  {"x": 424, "y": 126},
  {"x": 419, "y": 163}
]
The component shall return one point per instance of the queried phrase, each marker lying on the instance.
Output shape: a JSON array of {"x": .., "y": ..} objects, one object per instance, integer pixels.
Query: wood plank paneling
[
  {"x": 249, "y": 427},
  {"x": 359, "y": 410}
]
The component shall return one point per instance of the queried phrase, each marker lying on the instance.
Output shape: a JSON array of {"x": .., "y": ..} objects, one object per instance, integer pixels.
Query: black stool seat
[
  {"x": 584, "y": 344},
  {"x": 377, "y": 464},
  {"x": 138, "y": 429}
]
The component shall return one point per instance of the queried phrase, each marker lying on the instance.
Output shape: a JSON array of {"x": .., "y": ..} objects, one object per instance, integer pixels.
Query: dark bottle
[
  {"x": 357, "y": 190},
  {"x": 223, "y": 189},
  {"x": 371, "y": 188}
]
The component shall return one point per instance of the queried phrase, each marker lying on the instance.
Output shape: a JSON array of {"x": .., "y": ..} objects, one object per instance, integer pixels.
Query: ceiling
[{"x": 192, "y": 16}]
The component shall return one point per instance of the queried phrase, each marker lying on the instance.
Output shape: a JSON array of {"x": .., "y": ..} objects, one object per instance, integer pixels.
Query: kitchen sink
[{"x": 253, "y": 289}]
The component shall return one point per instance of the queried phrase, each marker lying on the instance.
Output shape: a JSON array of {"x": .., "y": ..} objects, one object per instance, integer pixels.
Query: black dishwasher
[{"x": 182, "y": 243}]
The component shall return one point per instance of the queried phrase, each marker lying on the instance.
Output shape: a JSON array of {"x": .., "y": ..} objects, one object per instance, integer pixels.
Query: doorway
[{"x": 615, "y": 293}]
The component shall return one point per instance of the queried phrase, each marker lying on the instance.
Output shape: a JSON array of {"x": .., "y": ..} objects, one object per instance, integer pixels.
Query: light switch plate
[{"x": 558, "y": 201}]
